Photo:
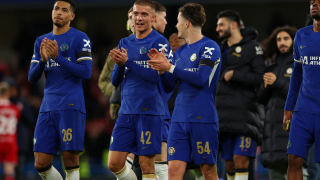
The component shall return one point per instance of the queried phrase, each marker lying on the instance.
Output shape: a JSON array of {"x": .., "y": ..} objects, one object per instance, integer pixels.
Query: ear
[
  {"x": 155, "y": 18},
  {"x": 73, "y": 16},
  {"x": 187, "y": 23},
  {"x": 233, "y": 25}
]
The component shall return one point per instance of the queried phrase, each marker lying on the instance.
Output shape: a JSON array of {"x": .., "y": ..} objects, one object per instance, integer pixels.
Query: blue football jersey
[
  {"x": 304, "y": 87},
  {"x": 63, "y": 89},
  {"x": 140, "y": 88},
  {"x": 195, "y": 101}
]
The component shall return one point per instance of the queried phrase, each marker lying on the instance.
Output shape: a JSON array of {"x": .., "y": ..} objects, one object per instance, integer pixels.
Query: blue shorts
[
  {"x": 59, "y": 131},
  {"x": 304, "y": 131},
  {"x": 193, "y": 141},
  {"x": 137, "y": 133},
  {"x": 165, "y": 130},
  {"x": 237, "y": 144}
]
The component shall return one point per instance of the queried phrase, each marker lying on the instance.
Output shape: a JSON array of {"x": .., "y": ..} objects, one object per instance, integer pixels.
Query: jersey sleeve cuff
[{"x": 172, "y": 69}]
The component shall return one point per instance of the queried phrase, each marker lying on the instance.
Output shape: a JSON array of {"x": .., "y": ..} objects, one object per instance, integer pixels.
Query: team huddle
[{"x": 214, "y": 107}]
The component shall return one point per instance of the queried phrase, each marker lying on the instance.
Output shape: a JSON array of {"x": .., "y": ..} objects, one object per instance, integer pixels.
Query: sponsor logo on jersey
[
  {"x": 87, "y": 43},
  {"x": 143, "y": 50},
  {"x": 163, "y": 46},
  {"x": 64, "y": 47},
  {"x": 142, "y": 63},
  {"x": 208, "y": 50},
  {"x": 171, "y": 150},
  {"x": 310, "y": 60},
  {"x": 193, "y": 57},
  {"x": 191, "y": 69}
]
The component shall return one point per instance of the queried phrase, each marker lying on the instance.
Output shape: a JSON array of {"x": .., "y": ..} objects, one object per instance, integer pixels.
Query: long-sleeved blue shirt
[
  {"x": 304, "y": 86},
  {"x": 64, "y": 75},
  {"x": 197, "y": 69},
  {"x": 140, "y": 88}
]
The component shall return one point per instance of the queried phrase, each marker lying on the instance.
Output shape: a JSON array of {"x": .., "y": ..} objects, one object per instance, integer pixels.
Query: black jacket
[
  {"x": 236, "y": 99},
  {"x": 275, "y": 139}
]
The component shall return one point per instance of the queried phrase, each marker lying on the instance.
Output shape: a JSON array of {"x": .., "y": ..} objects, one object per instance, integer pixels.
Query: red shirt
[{"x": 9, "y": 116}]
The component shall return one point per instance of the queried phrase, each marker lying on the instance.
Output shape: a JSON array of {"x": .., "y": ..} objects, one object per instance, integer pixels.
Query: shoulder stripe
[
  {"x": 34, "y": 61},
  {"x": 216, "y": 64},
  {"x": 83, "y": 54}
]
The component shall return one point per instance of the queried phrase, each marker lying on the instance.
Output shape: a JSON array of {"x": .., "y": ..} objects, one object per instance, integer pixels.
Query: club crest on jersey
[
  {"x": 171, "y": 150},
  {"x": 193, "y": 57},
  {"x": 163, "y": 46},
  {"x": 64, "y": 47},
  {"x": 238, "y": 49},
  {"x": 143, "y": 50}
]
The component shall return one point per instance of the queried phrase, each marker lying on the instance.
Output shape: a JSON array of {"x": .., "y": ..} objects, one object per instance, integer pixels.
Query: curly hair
[
  {"x": 194, "y": 13},
  {"x": 270, "y": 44}
]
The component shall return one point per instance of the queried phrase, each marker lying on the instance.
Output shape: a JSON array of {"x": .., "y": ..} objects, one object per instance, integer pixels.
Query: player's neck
[
  {"x": 194, "y": 35},
  {"x": 235, "y": 38},
  {"x": 316, "y": 26},
  {"x": 141, "y": 35},
  {"x": 60, "y": 30}
]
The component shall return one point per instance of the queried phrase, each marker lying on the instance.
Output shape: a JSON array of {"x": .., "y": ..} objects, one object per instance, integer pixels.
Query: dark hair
[
  {"x": 231, "y": 15},
  {"x": 159, "y": 7},
  {"x": 194, "y": 13},
  {"x": 146, "y": 3},
  {"x": 72, "y": 4},
  {"x": 270, "y": 44}
]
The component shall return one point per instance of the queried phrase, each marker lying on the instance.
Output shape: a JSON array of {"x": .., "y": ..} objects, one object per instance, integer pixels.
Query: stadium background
[{"x": 104, "y": 21}]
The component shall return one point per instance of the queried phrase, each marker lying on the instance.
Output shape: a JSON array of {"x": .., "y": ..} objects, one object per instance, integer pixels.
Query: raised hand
[
  {"x": 158, "y": 61},
  {"x": 43, "y": 51},
  {"x": 53, "y": 49},
  {"x": 120, "y": 58}
]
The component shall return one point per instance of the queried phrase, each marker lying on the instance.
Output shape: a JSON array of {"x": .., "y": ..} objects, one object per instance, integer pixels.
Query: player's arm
[
  {"x": 105, "y": 77},
  {"x": 253, "y": 78},
  {"x": 117, "y": 75},
  {"x": 294, "y": 86},
  {"x": 83, "y": 68},
  {"x": 38, "y": 62},
  {"x": 168, "y": 81}
]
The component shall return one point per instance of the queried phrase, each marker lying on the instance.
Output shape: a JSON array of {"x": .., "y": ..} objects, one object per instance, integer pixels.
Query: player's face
[
  {"x": 175, "y": 42},
  {"x": 223, "y": 28},
  {"x": 160, "y": 22},
  {"x": 143, "y": 18},
  {"x": 62, "y": 14},
  {"x": 284, "y": 42},
  {"x": 181, "y": 26},
  {"x": 314, "y": 9},
  {"x": 131, "y": 23}
]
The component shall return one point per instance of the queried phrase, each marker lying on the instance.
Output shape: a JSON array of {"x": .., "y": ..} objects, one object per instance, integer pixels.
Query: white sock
[
  {"x": 149, "y": 177},
  {"x": 161, "y": 170},
  {"x": 129, "y": 162},
  {"x": 51, "y": 174},
  {"x": 73, "y": 174},
  {"x": 230, "y": 175},
  {"x": 241, "y": 174},
  {"x": 199, "y": 175},
  {"x": 125, "y": 174}
]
